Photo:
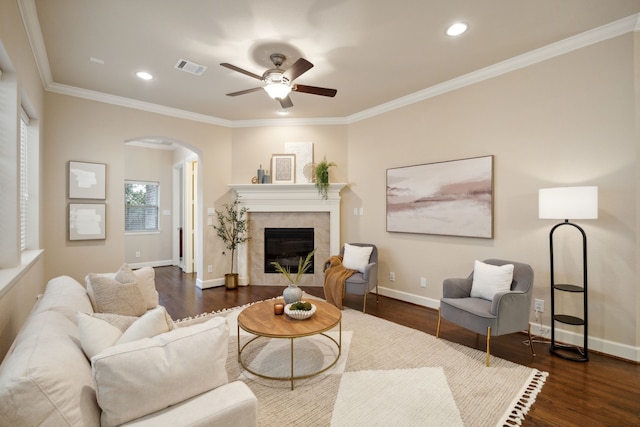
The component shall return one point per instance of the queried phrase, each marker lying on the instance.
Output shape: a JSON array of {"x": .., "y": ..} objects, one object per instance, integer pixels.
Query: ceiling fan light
[{"x": 278, "y": 90}]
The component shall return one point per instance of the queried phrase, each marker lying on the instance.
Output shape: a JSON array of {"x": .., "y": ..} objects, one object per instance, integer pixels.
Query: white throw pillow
[
  {"x": 489, "y": 279},
  {"x": 110, "y": 296},
  {"x": 145, "y": 277},
  {"x": 145, "y": 376},
  {"x": 356, "y": 257},
  {"x": 98, "y": 333}
]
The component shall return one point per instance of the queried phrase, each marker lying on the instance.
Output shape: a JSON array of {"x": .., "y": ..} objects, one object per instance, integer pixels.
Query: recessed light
[
  {"x": 457, "y": 29},
  {"x": 144, "y": 75}
]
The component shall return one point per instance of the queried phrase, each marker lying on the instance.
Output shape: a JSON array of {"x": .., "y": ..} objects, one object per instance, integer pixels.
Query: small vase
[{"x": 292, "y": 293}]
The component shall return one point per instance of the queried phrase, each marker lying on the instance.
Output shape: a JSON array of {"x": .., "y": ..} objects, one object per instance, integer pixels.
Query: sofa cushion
[
  {"x": 490, "y": 279},
  {"x": 110, "y": 296},
  {"x": 65, "y": 295},
  {"x": 97, "y": 334},
  {"x": 45, "y": 378},
  {"x": 140, "y": 377}
]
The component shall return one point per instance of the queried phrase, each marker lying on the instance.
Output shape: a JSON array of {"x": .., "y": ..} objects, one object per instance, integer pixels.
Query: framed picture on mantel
[{"x": 283, "y": 169}]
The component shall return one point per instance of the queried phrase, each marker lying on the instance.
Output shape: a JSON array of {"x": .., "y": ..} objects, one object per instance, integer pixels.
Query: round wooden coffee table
[{"x": 259, "y": 319}]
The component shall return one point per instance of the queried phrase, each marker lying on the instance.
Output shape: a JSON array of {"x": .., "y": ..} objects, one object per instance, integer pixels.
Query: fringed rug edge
[{"x": 524, "y": 400}]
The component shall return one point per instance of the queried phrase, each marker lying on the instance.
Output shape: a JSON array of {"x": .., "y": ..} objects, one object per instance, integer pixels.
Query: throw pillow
[
  {"x": 356, "y": 257},
  {"x": 110, "y": 296},
  {"x": 489, "y": 279},
  {"x": 99, "y": 332},
  {"x": 145, "y": 278},
  {"x": 144, "y": 376}
]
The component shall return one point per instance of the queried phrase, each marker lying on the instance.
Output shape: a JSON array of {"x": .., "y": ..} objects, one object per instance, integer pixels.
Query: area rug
[{"x": 387, "y": 375}]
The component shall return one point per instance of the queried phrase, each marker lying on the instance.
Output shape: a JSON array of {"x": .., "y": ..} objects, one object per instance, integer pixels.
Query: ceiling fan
[{"x": 279, "y": 83}]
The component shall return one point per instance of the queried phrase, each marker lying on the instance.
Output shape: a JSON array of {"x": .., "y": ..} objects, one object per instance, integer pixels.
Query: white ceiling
[{"x": 373, "y": 52}]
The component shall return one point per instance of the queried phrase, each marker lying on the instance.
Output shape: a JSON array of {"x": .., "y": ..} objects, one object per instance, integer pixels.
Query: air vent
[{"x": 190, "y": 67}]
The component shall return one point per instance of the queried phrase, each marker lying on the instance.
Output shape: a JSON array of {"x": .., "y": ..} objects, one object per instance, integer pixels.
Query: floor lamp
[{"x": 569, "y": 203}]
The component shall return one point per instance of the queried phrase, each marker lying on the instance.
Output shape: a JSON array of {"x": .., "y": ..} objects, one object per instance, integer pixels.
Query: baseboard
[
  {"x": 215, "y": 283},
  {"x": 599, "y": 345},
  {"x": 161, "y": 263},
  {"x": 407, "y": 297}
]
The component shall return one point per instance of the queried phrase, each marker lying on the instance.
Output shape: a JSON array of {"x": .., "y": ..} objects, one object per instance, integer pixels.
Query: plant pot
[
  {"x": 231, "y": 281},
  {"x": 292, "y": 293}
]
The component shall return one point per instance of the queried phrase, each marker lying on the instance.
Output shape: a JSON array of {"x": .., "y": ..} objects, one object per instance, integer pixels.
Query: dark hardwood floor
[{"x": 602, "y": 392}]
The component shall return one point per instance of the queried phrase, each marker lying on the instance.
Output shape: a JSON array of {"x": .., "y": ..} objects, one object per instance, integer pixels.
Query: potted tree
[
  {"x": 232, "y": 229},
  {"x": 322, "y": 177}
]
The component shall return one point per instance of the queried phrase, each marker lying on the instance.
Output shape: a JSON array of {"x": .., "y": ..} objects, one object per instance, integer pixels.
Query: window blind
[
  {"x": 24, "y": 181},
  {"x": 141, "y": 206}
]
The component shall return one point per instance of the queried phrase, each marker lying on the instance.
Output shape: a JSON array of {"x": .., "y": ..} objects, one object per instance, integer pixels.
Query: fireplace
[
  {"x": 287, "y": 206},
  {"x": 286, "y": 246}
]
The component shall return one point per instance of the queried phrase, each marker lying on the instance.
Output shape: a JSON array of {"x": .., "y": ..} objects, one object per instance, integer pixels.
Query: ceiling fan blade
[
  {"x": 286, "y": 102},
  {"x": 240, "y": 70},
  {"x": 315, "y": 90},
  {"x": 242, "y": 92},
  {"x": 300, "y": 67}
]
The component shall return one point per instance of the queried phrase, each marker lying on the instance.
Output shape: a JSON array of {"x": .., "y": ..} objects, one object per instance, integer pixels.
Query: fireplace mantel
[{"x": 289, "y": 198}]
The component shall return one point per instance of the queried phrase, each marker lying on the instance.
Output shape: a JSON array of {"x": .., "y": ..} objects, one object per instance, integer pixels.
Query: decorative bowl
[{"x": 299, "y": 314}]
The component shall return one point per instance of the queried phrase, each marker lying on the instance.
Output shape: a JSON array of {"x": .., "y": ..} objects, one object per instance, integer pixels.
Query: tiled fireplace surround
[{"x": 287, "y": 206}]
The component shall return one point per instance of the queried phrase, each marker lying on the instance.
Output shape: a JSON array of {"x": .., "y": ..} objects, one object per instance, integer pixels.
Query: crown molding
[
  {"x": 135, "y": 104},
  {"x": 31, "y": 23},
  {"x": 587, "y": 38},
  {"x": 596, "y": 35}
]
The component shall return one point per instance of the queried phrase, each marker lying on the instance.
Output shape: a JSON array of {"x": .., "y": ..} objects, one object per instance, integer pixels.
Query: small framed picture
[
  {"x": 87, "y": 221},
  {"x": 87, "y": 180},
  {"x": 283, "y": 169}
]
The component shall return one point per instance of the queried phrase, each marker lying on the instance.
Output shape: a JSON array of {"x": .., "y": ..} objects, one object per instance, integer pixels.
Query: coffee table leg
[{"x": 291, "y": 363}]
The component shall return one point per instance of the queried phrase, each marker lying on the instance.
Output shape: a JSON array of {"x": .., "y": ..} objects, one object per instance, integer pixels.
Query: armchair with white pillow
[
  {"x": 495, "y": 299},
  {"x": 361, "y": 259}
]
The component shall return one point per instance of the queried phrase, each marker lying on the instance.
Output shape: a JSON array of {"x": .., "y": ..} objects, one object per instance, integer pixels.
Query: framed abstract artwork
[
  {"x": 87, "y": 180},
  {"x": 453, "y": 198},
  {"x": 304, "y": 159},
  {"x": 87, "y": 221},
  {"x": 283, "y": 168}
]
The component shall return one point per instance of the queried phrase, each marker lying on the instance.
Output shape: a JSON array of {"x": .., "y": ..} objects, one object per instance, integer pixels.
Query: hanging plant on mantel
[{"x": 322, "y": 177}]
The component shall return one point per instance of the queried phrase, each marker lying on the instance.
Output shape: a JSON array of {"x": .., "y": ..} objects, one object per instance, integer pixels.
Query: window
[
  {"x": 141, "y": 200},
  {"x": 24, "y": 181}
]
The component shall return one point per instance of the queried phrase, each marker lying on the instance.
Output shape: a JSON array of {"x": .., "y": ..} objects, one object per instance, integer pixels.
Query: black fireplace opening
[{"x": 286, "y": 246}]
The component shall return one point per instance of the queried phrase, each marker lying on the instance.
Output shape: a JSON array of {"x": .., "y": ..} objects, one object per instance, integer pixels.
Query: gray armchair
[
  {"x": 363, "y": 283},
  {"x": 507, "y": 313}
]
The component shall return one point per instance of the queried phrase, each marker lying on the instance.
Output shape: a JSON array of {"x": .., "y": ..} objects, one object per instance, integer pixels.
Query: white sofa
[{"x": 172, "y": 379}]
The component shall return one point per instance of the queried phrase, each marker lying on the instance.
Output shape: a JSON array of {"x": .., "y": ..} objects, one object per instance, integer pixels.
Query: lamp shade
[
  {"x": 568, "y": 203},
  {"x": 277, "y": 90}
]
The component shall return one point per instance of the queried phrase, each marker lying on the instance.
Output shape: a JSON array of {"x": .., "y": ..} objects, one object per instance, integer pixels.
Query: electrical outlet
[
  {"x": 392, "y": 276},
  {"x": 138, "y": 254},
  {"x": 423, "y": 282},
  {"x": 210, "y": 268},
  {"x": 538, "y": 305}
]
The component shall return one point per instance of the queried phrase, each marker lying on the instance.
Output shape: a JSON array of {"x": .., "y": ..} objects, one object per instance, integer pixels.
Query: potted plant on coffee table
[
  {"x": 293, "y": 293},
  {"x": 232, "y": 229}
]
